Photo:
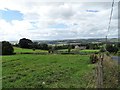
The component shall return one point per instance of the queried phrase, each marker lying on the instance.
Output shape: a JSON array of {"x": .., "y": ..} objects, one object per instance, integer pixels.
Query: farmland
[
  {"x": 86, "y": 51},
  {"x": 20, "y": 50},
  {"x": 47, "y": 71},
  {"x": 30, "y": 69},
  {"x": 66, "y": 45}
]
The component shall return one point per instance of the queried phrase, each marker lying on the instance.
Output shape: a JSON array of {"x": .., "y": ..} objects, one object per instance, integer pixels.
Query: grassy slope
[
  {"x": 19, "y": 50},
  {"x": 89, "y": 51},
  {"x": 55, "y": 70},
  {"x": 111, "y": 71}
]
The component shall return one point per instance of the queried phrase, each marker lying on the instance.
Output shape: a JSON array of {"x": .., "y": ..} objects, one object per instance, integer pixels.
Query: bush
[
  {"x": 7, "y": 48},
  {"x": 102, "y": 49},
  {"x": 33, "y": 49},
  {"x": 93, "y": 58},
  {"x": 118, "y": 53},
  {"x": 69, "y": 49},
  {"x": 107, "y": 53}
]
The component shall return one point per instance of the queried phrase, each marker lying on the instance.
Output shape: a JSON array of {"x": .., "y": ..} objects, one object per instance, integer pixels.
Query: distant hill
[{"x": 66, "y": 41}]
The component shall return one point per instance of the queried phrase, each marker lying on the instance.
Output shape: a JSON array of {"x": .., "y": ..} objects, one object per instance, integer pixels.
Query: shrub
[
  {"x": 93, "y": 58},
  {"x": 7, "y": 48},
  {"x": 107, "y": 53},
  {"x": 118, "y": 53},
  {"x": 102, "y": 49},
  {"x": 69, "y": 48},
  {"x": 33, "y": 49}
]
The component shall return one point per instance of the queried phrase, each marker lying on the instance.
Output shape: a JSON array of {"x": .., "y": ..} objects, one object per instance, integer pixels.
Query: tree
[
  {"x": 44, "y": 46},
  {"x": 87, "y": 46},
  {"x": 116, "y": 49},
  {"x": 16, "y": 45},
  {"x": 25, "y": 43},
  {"x": 118, "y": 45},
  {"x": 110, "y": 48},
  {"x": 69, "y": 48},
  {"x": 7, "y": 48},
  {"x": 35, "y": 45},
  {"x": 93, "y": 46}
]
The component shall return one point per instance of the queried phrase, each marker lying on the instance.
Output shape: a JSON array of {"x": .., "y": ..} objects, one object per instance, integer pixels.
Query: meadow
[
  {"x": 85, "y": 51},
  {"x": 22, "y": 50},
  {"x": 34, "y": 70},
  {"x": 47, "y": 71}
]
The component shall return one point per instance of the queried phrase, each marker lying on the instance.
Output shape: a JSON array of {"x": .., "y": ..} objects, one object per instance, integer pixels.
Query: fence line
[
  {"x": 106, "y": 72},
  {"x": 99, "y": 71}
]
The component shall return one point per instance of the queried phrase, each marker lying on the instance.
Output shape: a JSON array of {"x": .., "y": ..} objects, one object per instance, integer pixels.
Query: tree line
[{"x": 7, "y": 48}]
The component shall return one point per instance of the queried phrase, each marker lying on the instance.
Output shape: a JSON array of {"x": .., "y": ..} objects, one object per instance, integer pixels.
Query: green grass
[
  {"x": 20, "y": 50},
  {"x": 89, "y": 51},
  {"x": 111, "y": 71},
  {"x": 47, "y": 71}
]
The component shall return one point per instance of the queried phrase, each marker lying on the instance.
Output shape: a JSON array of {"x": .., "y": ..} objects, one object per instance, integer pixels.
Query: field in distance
[{"x": 20, "y": 50}]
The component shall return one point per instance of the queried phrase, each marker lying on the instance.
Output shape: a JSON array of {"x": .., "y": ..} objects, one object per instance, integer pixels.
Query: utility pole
[
  {"x": 106, "y": 40},
  {"x": 109, "y": 22},
  {"x": 106, "y": 43}
]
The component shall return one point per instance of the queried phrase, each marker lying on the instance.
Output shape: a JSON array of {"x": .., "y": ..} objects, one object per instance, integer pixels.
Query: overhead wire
[{"x": 110, "y": 19}]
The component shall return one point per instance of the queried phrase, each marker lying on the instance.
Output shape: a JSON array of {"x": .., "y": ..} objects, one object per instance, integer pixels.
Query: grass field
[
  {"x": 20, "y": 50},
  {"x": 89, "y": 51},
  {"x": 47, "y": 71}
]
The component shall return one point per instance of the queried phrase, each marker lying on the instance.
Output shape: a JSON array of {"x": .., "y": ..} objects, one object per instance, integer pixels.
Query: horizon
[{"x": 60, "y": 39}]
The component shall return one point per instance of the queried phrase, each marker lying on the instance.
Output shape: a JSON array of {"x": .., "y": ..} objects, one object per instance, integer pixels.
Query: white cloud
[{"x": 38, "y": 16}]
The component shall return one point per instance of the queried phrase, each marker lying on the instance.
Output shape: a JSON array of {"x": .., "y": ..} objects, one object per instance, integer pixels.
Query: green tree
[
  {"x": 7, "y": 48},
  {"x": 44, "y": 46},
  {"x": 111, "y": 48},
  {"x": 25, "y": 43},
  {"x": 102, "y": 49},
  {"x": 69, "y": 48}
]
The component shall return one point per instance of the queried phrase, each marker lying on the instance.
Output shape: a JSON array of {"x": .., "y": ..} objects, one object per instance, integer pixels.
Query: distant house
[
  {"x": 77, "y": 47},
  {"x": 80, "y": 47},
  {"x": 75, "y": 44}
]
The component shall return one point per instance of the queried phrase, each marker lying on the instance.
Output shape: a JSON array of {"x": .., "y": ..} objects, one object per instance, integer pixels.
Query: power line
[{"x": 110, "y": 19}]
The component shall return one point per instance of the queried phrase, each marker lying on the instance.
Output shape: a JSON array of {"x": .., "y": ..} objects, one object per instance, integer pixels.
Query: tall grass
[{"x": 110, "y": 72}]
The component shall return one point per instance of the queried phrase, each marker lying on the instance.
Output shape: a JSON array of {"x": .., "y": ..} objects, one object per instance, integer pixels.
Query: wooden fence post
[{"x": 100, "y": 72}]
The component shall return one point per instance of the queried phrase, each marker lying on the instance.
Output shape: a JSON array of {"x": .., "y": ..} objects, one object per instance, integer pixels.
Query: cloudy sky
[{"x": 56, "y": 20}]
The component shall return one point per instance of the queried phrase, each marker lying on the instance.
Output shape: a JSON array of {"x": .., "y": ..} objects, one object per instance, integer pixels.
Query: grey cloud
[{"x": 81, "y": 23}]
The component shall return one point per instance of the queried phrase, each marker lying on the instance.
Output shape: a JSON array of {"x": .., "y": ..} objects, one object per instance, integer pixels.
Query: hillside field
[
  {"x": 47, "y": 71},
  {"x": 20, "y": 50}
]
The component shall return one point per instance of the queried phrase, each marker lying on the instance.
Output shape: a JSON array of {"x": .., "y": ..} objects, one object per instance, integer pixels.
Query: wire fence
[
  {"x": 99, "y": 72},
  {"x": 106, "y": 72}
]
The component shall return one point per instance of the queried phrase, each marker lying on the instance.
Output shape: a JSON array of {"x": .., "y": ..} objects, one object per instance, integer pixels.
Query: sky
[{"x": 56, "y": 20}]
